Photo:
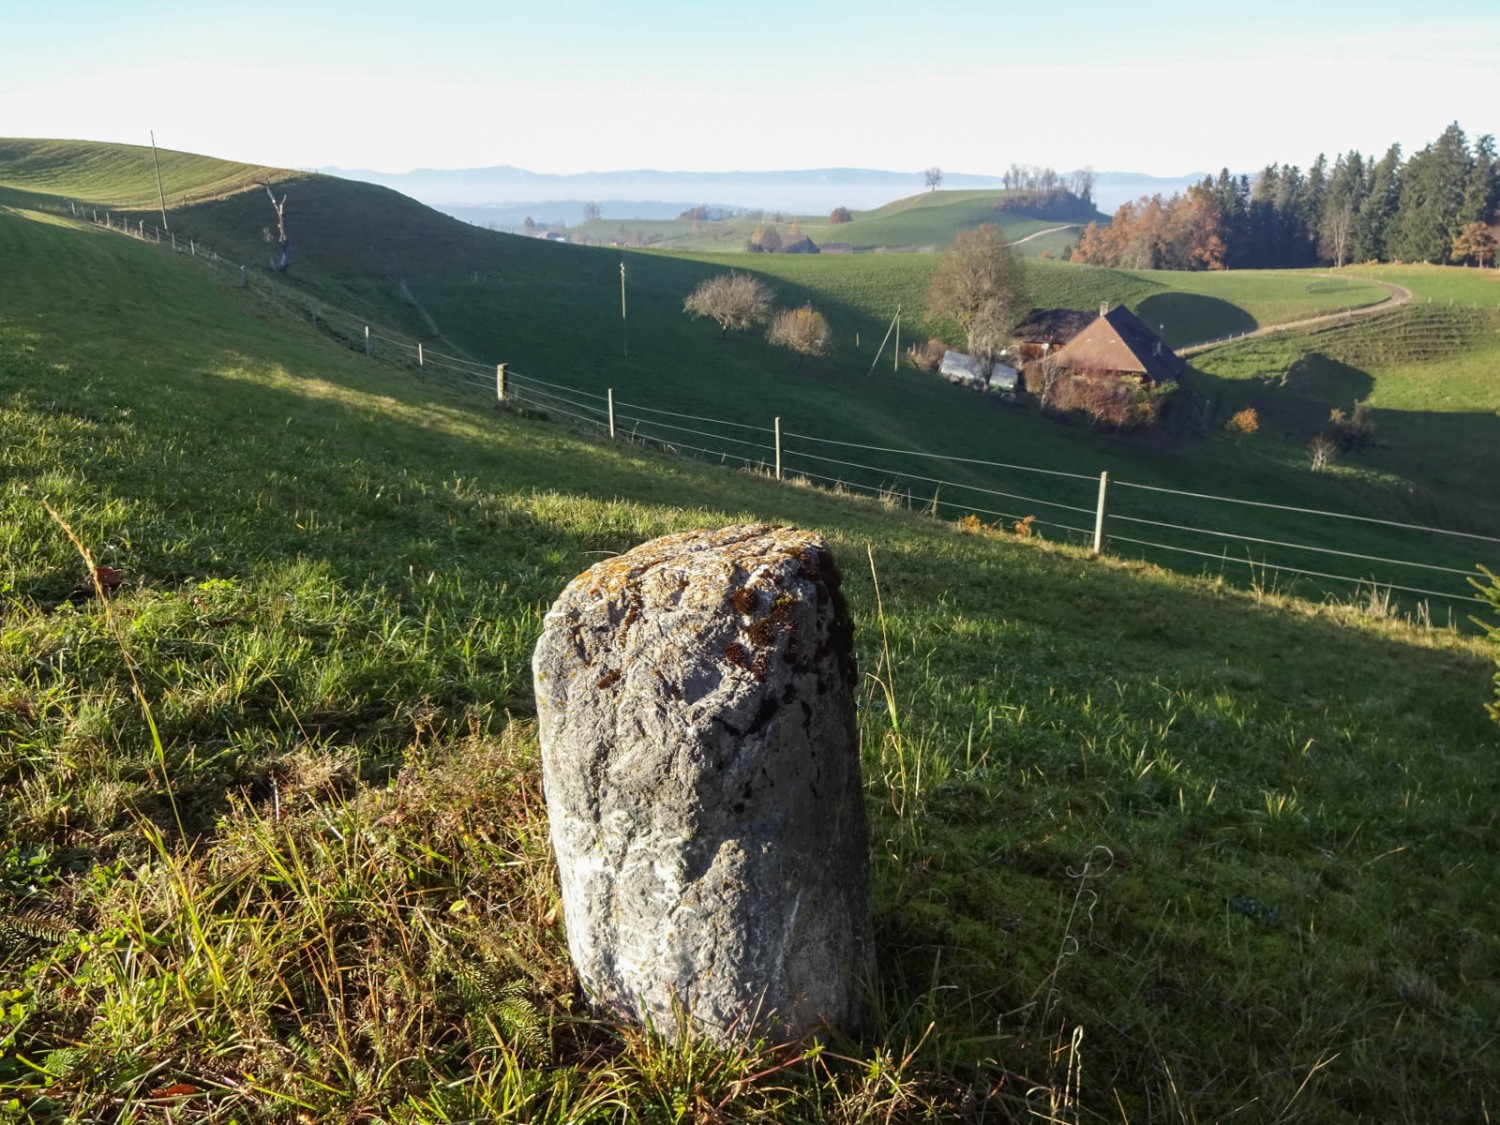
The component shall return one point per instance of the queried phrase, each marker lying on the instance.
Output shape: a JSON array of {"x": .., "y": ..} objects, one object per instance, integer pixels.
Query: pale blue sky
[{"x": 576, "y": 85}]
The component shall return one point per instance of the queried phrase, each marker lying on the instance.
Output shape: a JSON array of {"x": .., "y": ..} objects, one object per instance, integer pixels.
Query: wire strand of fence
[
  {"x": 552, "y": 408},
  {"x": 1253, "y": 563},
  {"x": 1290, "y": 546},
  {"x": 619, "y": 416},
  {"x": 945, "y": 457},
  {"x": 1306, "y": 511},
  {"x": 928, "y": 503},
  {"x": 574, "y": 400},
  {"x": 596, "y": 413},
  {"x": 694, "y": 417},
  {"x": 720, "y": 454},
  {"x": 936, "y": 480},
  {"x": 511, "y": 372}
]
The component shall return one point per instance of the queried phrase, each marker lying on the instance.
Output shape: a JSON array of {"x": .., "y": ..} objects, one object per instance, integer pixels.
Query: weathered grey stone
[{"x": 701, "y": 766}]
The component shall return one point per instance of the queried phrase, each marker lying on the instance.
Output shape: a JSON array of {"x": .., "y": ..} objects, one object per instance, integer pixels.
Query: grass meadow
[{"x": 1146, "y": 846}]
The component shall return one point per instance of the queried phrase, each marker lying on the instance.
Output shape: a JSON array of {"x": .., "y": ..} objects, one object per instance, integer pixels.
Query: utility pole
[
  {"x": 624, "y": 323},
  {"x": 160, "y": 195}
]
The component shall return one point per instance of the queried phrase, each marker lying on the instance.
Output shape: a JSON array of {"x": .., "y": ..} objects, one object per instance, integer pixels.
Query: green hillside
[
  {"x": 273, "y": 844},
  {"x": 925, "y": 222},
  {"x": 552, "y": 313}
]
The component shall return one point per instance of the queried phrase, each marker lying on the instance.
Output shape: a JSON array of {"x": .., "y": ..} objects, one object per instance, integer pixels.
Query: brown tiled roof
[{"x": 1118, "y": 341}]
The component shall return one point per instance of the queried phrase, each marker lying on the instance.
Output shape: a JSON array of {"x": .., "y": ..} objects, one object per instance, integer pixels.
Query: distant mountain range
[{"x": 505, "y": 195}]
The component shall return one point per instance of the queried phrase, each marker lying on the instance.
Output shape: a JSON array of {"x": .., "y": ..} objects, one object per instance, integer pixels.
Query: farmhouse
[
  {"x": 1110, "y": 369},
  {"x": 1118, "y": 344},
  {"x": 800, "y": 245}
]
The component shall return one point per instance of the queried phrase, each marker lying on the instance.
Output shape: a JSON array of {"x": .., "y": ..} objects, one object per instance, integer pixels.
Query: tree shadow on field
[{"x": 1189, "y": 318}]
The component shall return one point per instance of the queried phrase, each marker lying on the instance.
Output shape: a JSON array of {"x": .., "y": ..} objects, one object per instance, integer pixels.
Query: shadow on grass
[{"x": 1188, "y": 318}]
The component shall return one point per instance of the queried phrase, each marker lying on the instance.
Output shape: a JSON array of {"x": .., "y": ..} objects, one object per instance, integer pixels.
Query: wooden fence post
[
  {"x": 500, "y": 382},
  {"x": 778, "y": 448},
  {"x": 1099, "y": 515},
  {"x": 611, "y": 414}
]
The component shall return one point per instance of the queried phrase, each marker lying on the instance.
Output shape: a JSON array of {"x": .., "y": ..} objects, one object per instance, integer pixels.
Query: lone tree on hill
[
  {"x": 932, "y": 177},
  {"x": 804, "y": 331},
  {"x": 282, "y": 260},
  {"x": 736, "y": 300},
  {"x": 979, "y": 286}
]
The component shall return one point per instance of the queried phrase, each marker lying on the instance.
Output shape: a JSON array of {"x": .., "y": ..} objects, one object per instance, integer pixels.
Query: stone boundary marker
[{"x": 701, "y": 766}]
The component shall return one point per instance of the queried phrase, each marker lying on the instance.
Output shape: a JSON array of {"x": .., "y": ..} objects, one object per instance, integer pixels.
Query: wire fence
[{"x": 1295, "y": 549}]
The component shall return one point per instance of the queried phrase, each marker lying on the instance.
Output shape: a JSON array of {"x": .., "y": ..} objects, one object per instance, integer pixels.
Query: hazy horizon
[{"x": 586, "y": 85}]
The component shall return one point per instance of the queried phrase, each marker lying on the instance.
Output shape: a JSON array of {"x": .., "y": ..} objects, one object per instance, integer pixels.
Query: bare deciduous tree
[
  {"x": 283, "y": 257},
  {"x": 804, "y": 331},
  {"x": 1320, "y": 451},
  {"x": 591, "y": 211},
  {"x": 735, "y": 300},
  {"x": 979, "y": 285},
  {"x": 932, "y": 177},
  {"x": 1338, "y": 232}
]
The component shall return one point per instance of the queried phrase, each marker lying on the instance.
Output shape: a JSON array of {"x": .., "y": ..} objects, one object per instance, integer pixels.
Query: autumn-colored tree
[
  {"x": 1246, "y": 421},
  {"x": 1181, "y": 233},
  {"x": 840, "y": 215},
  {"x": 735, "y": 300},
  {"x": 979, "y": 286},
  {"x": 805, "y": 331},
  {"x": 1476, "y": 241}
]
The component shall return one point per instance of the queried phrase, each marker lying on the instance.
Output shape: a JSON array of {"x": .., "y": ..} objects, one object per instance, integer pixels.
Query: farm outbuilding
[
  {"x": 968, "y": 371},
  {"x": 800, "y": 245}
]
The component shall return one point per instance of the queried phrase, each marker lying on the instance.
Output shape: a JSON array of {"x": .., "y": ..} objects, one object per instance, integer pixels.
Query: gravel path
[{"x": 1399, "y": 295}]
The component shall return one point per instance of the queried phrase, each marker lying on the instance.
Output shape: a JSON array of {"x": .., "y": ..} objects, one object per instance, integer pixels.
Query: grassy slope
[
  {"x": 1427, "y": 370},
  {"x": 333, "y": 580},
  {"x": 552, "y": 313},
  {"x": 920, "y": 222}
]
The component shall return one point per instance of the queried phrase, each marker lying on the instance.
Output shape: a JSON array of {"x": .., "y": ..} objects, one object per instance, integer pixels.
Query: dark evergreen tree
[
  {"x": 1372, "y": 233},
  {"x": 1432, "y": 195},
  {"x": 1482, "y": 189},
  {"x": 1261, "y": 227},
  {"x": 1291, "y": 246}
]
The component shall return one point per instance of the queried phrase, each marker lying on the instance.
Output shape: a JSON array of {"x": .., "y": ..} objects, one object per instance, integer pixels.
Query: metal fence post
[
  {"x": 1099, "y": 515},
  {"x": 611, "y": 413},
  {"x": 367, "y": 338},
  {"x": 778, "y": 448},
  {"x": 500, "y": 382}
]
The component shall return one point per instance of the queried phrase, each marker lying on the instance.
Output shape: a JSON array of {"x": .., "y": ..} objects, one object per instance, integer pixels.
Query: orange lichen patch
[{"x": 609, "y": 679}]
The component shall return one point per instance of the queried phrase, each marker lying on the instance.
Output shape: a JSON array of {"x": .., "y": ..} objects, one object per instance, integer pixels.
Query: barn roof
[
  {"x": 1117, "y": 340},
  {"x": 1055, "y": 325}
]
